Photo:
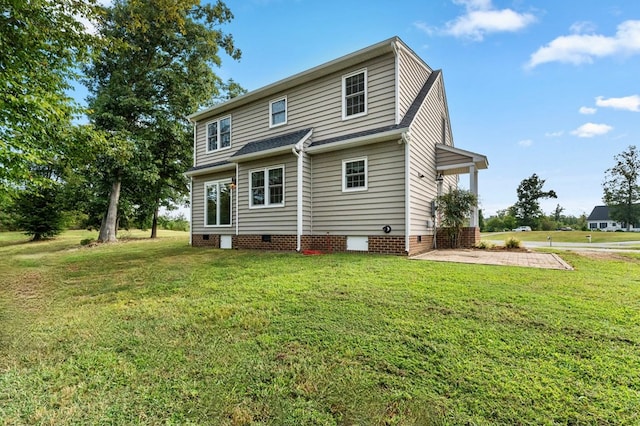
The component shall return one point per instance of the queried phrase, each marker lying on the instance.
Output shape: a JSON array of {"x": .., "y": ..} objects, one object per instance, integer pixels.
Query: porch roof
[{"x": 454, "y": 161}]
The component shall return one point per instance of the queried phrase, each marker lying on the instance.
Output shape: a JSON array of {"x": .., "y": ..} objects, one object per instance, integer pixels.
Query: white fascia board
[
  {"x": 357, "y": 141},
  {"x": 261, "y": 154},
  {"x": 212, "y": 169}
]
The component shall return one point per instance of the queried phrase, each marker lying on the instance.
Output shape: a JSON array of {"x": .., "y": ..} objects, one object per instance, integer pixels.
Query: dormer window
[
  {"x": 219, "y": 134},
  {"x": 278, "y": 112},
  {"x": 354, "y": 94}
]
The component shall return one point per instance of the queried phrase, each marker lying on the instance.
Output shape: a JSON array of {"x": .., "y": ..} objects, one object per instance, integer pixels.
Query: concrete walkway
[{"x": 497, "y": 257}]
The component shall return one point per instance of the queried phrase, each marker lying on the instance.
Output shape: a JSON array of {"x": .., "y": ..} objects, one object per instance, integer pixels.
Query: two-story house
[{"x": 349, "y": 155}]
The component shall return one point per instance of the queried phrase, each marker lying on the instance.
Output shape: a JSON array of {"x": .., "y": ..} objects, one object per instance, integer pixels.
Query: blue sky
[{"x": 547, "y": 87}]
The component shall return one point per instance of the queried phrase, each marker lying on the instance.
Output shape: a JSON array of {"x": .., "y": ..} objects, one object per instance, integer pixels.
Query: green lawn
[
  {"x": 157, "y": 332},
  {"x": 565, "y": 236}
]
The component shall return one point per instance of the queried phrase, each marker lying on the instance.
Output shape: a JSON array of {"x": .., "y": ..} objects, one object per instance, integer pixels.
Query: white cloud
[
  {"x": 587, "y": 110},
  {"x": 629, "y": 103},
  {"x": 481, "y": 18},
  {"x": 582, "y": 27},
  {"x": 554, "y": 134},
  {"x": 590, "y": 130},
  {"x": 583, "y": 48},
  {"x": 525, "y": 143}
]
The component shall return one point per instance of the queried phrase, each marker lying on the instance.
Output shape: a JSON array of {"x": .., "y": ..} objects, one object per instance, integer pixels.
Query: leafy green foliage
[
  {"x": 42, "y": 43},
  {"x": 622, "y": 187},
  {"x": 39, "y": 213},
  {"x": 156, "y": 71},
  {"x": 456, "y": 205},
  {"x": 527, "y": 209}
]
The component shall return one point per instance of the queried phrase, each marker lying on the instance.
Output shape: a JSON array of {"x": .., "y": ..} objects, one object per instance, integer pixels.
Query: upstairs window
[
  {"x": 267, "y": 187},
  {"x": 219, "y": 134},
  {"x": 278, "y": 112},
  {"x": 354, "y": 94},
  {"x": 354, "y": 175}
]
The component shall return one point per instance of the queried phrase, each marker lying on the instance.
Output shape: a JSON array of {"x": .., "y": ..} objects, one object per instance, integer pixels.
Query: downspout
[
  {"x": 297, "y": 151},
  {"x": 237, "y": 203},
  {"x": 406, "y": 138}
]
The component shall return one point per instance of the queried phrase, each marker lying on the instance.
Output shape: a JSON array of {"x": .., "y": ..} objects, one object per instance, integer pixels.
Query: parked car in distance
[
  {"x": 522, "y": 229},
  {"x": 565, "y": 228}
]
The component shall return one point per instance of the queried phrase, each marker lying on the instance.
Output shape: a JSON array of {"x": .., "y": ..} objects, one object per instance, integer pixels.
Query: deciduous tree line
[
  {"x": 147, "y": 64},
  {"x": 621, "y": 188}
]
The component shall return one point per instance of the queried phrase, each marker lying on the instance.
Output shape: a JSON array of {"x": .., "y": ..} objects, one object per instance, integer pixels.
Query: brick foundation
[
  {"x": 424, "y": 244},
  {"x": 266, "y": 242},
  {"x": 469, "y": 237},
  {"x": 379, "y": 244},
  {"x": 205, "y": 240}
]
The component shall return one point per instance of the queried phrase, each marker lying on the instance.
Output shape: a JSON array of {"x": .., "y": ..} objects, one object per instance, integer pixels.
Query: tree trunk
[
  {"x": 109, "y": 222},
  {"x": 154, "y": 224}
]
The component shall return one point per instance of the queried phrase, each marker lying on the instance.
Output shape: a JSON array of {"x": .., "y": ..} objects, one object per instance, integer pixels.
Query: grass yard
[
  {"x": 157, "y": 332},
  {"x": 566, "y": 236}
]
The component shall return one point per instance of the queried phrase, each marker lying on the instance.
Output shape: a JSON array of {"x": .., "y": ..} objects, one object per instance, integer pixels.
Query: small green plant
[
  {"x": 484, "y": 245},
  {"x": 86, "y": 241},
  {"x": 512, "y": 243}
]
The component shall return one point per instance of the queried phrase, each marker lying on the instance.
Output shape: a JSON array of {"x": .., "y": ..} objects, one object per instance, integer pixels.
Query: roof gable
[{"x": 374, "y": 51}]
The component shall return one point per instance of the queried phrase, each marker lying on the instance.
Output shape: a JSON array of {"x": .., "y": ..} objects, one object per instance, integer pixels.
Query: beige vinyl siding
[
  {"x": 197, "y": 207},
  {"x": 269, "y": 220},
  {"x": 412, "y": 76},
  {"x": 307, "y": 205},
  {"x": 426, "y": 132},
  {"x": 360, "y": 212},
  {"x": 317, "y": 104}
]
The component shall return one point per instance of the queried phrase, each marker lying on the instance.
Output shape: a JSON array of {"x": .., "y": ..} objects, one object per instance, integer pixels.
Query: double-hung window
[
  {"x": 219, "y": 134},
  {"x": 354, "y": 174},
  {"x": 278, "y": 112},
  {"x": 267, "y": 187},
  {"x": 354, "y": 94},
  {"x": 217, "y": 200}
]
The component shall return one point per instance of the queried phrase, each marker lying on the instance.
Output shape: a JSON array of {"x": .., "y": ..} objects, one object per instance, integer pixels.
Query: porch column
[{"x": 473, "y": 187}]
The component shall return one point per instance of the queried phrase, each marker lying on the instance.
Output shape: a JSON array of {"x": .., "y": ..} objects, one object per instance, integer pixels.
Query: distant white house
[{"x": 599, "y": 220}]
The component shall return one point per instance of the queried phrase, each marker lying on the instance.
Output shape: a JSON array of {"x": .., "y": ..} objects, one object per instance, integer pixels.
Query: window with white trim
[
  {"x": 354, "y": 94},
  {"x": 217, "y": 203},
  {"x": 354, "y": 174},
  {"x": 267, "y": 187},
  {"x": 278, "y": 112},
  {"x": 219, "y": 134}
]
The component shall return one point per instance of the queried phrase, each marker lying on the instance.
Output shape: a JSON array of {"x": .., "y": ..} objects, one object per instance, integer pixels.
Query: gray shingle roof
[
  {"x": 207, "y": 166},
  {"x": 272, "y": 143},
  {"x": 599, "y": 213}
]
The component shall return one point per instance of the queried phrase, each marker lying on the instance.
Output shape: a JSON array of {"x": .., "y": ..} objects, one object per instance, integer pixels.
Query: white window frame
[
  {"x": 366, "y": 174},
  {"x": 267, "y": 199},
  {"x": 286, "y": 112},
  {"x": 218, "y": 184},
  {"x": 344, "y": 94},
  {"x": 206, "y": 134}
]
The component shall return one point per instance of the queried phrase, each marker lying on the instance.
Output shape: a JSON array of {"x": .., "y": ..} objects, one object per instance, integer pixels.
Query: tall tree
[
  {"x": 621, "y": 189},
  {"x": 156, "y": 71},
  {"x": 527, "y": 209},
  {"x": 42, "y": 42}
]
